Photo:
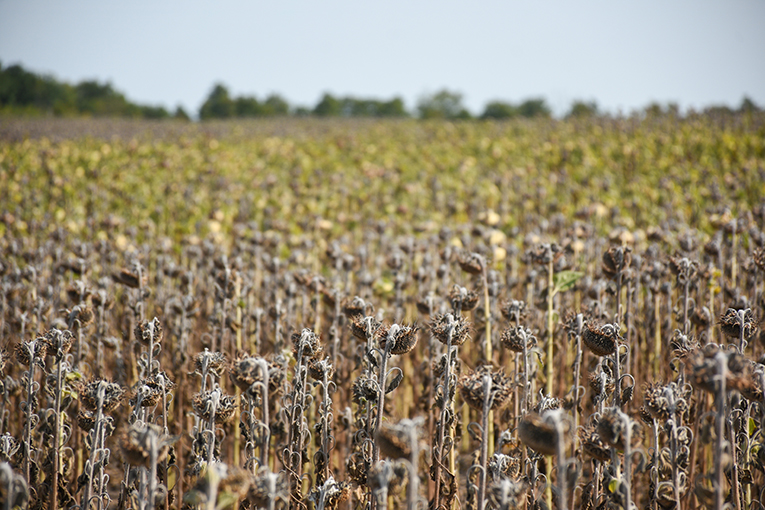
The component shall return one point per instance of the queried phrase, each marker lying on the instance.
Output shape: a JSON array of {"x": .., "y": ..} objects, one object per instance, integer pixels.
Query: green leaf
[
  {"x": 752, "y": 426},
  {"x": 613, "y": 485},
  {"x": 564, "y": 280},
  {"x": 226, "y": 499}
]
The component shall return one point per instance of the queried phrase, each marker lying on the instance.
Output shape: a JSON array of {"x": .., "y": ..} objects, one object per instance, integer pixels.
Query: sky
[{"x": 623, "y": 55}]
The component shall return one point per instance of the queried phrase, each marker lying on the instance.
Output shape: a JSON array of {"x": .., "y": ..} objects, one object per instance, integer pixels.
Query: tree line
[{"x": 26, "y": 93}]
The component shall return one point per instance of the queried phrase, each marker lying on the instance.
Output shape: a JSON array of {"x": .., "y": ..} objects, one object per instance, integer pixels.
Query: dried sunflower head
[
  {"x": 91, "y": 392},
  {"x": 330, "y": 494},
  {"x": 128, "y": 278},
  {"x": 506, "y": 493},
  {"x": 471, "y": 262},
  {"x": 365, "y": 389},
  {"x": 396, "y": 439},
  {"x": 504, "y": 466},
  {"x": 463, "y": 299},
  {"x": 540, "y": 432},
  {"x": 58, "y": 342},
  {"x": 684, "y": 269},
  {"x": 732, "y": 322},
  {"x": 613, "y": 426},
  {"x": 141, "y": 439},
  {"x": 209, "y": 402},
  {"x": 362, "y": 326},
  {"x": 444, "y": 324},
  {"x": 306, "y": 342},
  {"x": 319, "y": 369},
  {"x": 758, "y": 258},
  {"x": 402, "y": 336},
  {"x": 267, "y": 486},
  {"x": 665, "y": 401},
  {"x": 601, "y": 340},
  {"x": 516, "y": 338},
  {"x": 473, "y": 388},
  {"x": 354, "y": 307},
  {"x": 615, "y": 260},
  {"x": 149, "y": 331},
  {"x": 708, "y": 363},
  {"x": 34, "y": 349},
  {"x": 514, "y": 310},
  {"x": 209, "y": 361},
  {"x": 593, "y": 445}
]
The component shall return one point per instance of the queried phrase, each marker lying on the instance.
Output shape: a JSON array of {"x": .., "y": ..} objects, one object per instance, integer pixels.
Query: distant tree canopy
[
  {"x": 529, "y": 108},
  {"x": 581, "y": 109},
  {"x": 28, "y": 93},
  {"x": 331, "y": 106},
  {"x": 25, "y": 93},
  {"x": 220, "y": 105},
  {"x": 442, "y": 105}
]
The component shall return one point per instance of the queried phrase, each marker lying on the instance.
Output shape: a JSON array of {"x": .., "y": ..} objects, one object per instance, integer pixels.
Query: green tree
[
  {"x": 102, "y": 100},
  {"x": 442, "y": 105},
  {"x": 581, "y": 109},
  {"x": 180, "y": 114},
  {"x": 748, "y": 106},
  {"x": 393, "y": 108},
  {"x": 218, "y": 104},
  {"x": 276, "y": 105},
  {"x": 328, "y": 106},
  {"x": 247, "y": 106},
  {"x": 499, "y": 110},
  {"x": 535, "y": 107},
  {"x": 154, "y": 112}
]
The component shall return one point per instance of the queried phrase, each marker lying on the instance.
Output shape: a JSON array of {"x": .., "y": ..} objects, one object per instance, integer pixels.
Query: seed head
[
  {"x": 601, "y": 340},
  {"x": 395, "y": 439},
  {"x": 733, "y": 320},
  {"x": 616, "y": 260},
  {"x": 128, "y": 278},
  {"x": 471, "y": 262},
  {"x": 462, "y": 299},
  {"x": 516, "y": 337},
  {"x": 329, "y": 495},
  {"x": 58, "y": 342},
  {"x": 505, "y": 493},
  {"x": 543, "y": 254},
  {"x": 308, "y": 342},
  {"x": 758, "y": 258},
  {"x": 504, "y": 466},
  {"x": 206, "y": 403},
  {"x": 514, "y": 311},
  {"x": 247, "y": 370},
  {"x": 473, "y": 388},
  {"x": 354, "y": 307},
  {"x": 362, "y": 326},
  {"x": 593, "y": 445},
  {"x": 364, "y": 389},
  {"x": 319, "y": 369},
  {"x": 210, "y": 361},
  {"x": 684, "y": 269},
  {"x": 404, "y": 337},
  {"x": 34, "y": 349},
  {"x": 539, "y": 432},
  {"x": 443, "y": 323},
  {"x": 139, "y": 440},
  {"x": 96, "y": 389},
  {"x": 612, "y": 428},
  {"x": 149, "y": 331},
  {"x": 267, "y": 486}
]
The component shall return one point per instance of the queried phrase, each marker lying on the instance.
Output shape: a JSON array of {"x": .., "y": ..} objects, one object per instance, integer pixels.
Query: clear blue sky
[{"x": 621, "y": 54}]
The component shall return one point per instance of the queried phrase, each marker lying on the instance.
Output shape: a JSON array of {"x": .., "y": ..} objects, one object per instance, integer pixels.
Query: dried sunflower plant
[{"x": 255, "y": 340}]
